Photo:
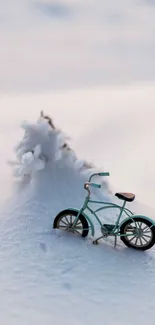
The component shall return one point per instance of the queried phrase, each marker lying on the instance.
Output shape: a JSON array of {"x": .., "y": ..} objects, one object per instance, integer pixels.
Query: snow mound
[
  {"x": 48, "y": 275},
  {"x": 44, "y": 147}
]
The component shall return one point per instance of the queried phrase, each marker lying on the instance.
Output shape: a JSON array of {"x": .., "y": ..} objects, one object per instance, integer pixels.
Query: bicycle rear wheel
[{"x": 138, "y": 233}]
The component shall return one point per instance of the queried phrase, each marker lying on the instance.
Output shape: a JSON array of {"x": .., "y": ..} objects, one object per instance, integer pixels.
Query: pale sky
[{"x": 50, "y": 44}]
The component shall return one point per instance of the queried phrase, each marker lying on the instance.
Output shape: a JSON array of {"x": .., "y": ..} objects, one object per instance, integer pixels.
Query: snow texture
[
  {"x": 61, "y": 56},
  {"x": 48, "y": 276}
]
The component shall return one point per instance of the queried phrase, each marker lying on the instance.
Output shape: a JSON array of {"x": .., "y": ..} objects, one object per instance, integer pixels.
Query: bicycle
[{"x": 136, "y": 231}]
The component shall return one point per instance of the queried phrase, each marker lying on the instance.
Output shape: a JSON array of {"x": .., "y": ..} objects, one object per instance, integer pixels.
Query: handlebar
[
  {"x": 94, "y": 185},
  {"x": 89, "y": 183},
  {"x": 104, "y": 174},
  {"x": 99, "y": 174}
]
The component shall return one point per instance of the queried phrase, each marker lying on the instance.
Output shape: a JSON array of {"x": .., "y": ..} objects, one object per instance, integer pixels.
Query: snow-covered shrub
[{"x": 43, "y": 144}]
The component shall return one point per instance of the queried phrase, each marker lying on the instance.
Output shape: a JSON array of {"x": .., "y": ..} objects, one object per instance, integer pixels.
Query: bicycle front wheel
[
  {"x": 65, "y": 219},
  {"x": 138, "y": 233}
]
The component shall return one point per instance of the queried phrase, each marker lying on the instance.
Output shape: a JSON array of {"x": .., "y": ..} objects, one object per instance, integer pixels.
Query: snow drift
[
  {"x": 55, "y": 277},
  {"x": 43, "y": 150}
]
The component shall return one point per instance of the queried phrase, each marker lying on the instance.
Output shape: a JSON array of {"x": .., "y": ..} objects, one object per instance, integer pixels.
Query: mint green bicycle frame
[
  {"x": 115, "y": 231},
  {"x": 107, "y": 205}
]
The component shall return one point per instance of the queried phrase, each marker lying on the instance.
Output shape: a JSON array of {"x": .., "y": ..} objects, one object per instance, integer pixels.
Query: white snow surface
[{"x": 48, "y": 276}]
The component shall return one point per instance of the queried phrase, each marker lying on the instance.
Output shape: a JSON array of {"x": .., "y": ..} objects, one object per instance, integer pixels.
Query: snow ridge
[{"x": 44, "y": 146}]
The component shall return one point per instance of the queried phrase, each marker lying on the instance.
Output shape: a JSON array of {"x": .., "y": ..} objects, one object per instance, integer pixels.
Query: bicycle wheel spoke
[
  {"x": 78, "y": 232},
  {"x": 148, "y": 236},
  {"x": 147, "y": 231},
  {"x": 63, "y": 222},
  {"x": 136, "y": 224},
  {"x": 67, "y": 220},
  {"x": 62, "y": 227},
  {"x": 144, "y": 239},
  {"x": 141, "y": 241},
  {"x": 78, "y": 223},
  {"x": 146, "y": 228},
  {"x": 132, "y": 239},
  {"x": 136, "y": 241}
]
